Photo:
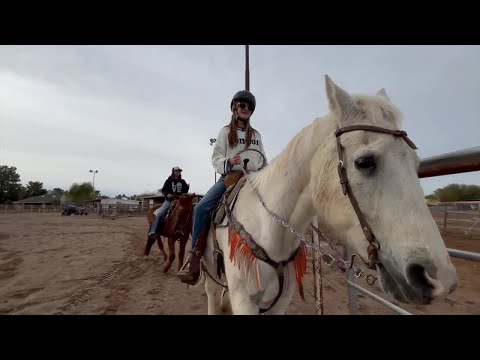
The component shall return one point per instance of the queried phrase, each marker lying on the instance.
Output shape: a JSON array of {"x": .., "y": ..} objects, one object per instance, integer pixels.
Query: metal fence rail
[
  {"x": 378, "y": 299},
  {"x": 467, "y": 255},
  {"x": 452, "y": 163}
]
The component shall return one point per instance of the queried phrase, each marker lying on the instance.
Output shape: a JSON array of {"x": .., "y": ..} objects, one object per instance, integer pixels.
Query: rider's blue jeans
[
  {"x": 161, "y": 214},
  {"x": 205, "y": 206}
]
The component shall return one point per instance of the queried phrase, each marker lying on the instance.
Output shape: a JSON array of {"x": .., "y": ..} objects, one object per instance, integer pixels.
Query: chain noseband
[{"x": 374, "y": 245}]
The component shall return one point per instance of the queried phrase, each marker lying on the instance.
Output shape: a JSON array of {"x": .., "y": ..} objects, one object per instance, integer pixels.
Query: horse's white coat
[{"x": 302, "y": 182}]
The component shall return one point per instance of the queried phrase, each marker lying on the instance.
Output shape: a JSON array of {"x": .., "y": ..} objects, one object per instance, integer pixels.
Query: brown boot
[{"x": 190, "y": 272}]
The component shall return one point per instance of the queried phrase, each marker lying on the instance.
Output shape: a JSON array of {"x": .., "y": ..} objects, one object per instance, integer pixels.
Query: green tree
[
  {"x": 458, "y": 192},
  {"x": 431, "y": 198},
  {"x": 59, "y": 191},
  {"x": 10, "y": 186},
  {"x": 34, "y": 188},
  {"x": 80, "y": 192}
]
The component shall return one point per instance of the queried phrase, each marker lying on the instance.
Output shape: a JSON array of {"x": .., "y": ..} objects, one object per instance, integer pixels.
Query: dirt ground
[{"x": 53, "y": 264}]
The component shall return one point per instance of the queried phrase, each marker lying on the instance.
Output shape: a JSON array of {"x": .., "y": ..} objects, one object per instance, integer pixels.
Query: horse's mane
[
  {"x": 186, "y": 198},
  {"x": 377, "y": 109}
]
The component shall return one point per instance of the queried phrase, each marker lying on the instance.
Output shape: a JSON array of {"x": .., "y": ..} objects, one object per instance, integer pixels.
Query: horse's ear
[
  {"x": 339, "y": 101},
  {"x": 382, "y": 92}
]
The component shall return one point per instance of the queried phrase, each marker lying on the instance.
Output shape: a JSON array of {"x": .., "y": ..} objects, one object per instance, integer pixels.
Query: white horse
[{"x": 385, "y": 207}]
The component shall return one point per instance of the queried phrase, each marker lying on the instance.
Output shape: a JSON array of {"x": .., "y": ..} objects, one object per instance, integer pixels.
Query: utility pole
[
  {"x": 247, "y": 85},
  {"x": 93, "y": 184},
  {"x": 247, "y": 68}
]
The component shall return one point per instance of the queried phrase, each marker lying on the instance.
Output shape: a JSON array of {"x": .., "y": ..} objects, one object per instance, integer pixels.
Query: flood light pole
[
  {"x": 247, "y": 85},
  {"x": 93, "y": 184},
  {"x": 247, "y": 68}
]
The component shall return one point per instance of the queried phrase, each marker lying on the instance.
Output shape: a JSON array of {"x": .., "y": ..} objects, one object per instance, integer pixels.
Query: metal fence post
[
  {"x": 317, "y": 273},
  {"x": 352, "y": 293}
]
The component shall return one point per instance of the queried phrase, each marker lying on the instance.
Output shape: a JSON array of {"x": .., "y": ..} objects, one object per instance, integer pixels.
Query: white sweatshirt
[{"x": 222, "y": 151}]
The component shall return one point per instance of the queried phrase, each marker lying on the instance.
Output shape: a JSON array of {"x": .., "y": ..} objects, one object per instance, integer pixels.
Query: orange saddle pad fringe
[{"x": 241, "y": 253}]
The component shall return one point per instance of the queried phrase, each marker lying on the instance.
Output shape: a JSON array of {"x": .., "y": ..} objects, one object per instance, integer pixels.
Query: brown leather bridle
[{"x": 374, "y": 245}]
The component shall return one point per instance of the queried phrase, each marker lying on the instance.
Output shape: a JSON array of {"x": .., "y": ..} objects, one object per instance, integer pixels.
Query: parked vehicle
[{"x": 75, "y": 209}]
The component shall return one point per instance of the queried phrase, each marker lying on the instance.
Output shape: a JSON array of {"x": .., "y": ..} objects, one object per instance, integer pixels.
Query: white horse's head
[{"x": 381, "y": 169}]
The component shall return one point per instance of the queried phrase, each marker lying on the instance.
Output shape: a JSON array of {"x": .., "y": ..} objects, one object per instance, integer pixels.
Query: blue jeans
[
  {"x": 161, "y": 214},
  {"x": 205, "y": 206}
]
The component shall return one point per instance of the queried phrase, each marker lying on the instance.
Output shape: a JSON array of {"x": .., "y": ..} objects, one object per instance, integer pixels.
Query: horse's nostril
[
  {"x": 453, "y": 288},
  {"x": 416, "y": 277}
]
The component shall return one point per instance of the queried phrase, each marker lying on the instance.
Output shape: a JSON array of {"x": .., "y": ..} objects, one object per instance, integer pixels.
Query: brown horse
[{"x": 178, "y": 226}]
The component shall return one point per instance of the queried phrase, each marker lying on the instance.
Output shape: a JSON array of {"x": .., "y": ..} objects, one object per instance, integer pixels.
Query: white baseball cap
[{"x": 177, "y": 168}]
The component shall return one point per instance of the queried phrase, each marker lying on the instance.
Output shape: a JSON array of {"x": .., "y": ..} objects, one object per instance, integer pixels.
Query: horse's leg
[
  {"x": 211, "y": 291},
  {"x": 181, "y": 253},
  {"x": 160, "y": 246},
  {"x": 241, "y": 302},
  {"x": 148, "y": 246},
  {"x": 171, "y": 257},
  {"x": 280, "y": 308}
]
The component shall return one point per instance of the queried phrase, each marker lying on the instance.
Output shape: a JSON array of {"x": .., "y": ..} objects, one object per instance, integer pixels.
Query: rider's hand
[
  {"x": 235, "y": 160},
  {"x": 170, "y": 197}
]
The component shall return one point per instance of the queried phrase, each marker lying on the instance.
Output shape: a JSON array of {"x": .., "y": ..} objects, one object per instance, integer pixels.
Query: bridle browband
[{"x": 374, "y": 245}]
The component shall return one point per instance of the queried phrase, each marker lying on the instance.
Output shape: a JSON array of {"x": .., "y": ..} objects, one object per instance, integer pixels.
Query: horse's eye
[{"x": 366, "y": 164}]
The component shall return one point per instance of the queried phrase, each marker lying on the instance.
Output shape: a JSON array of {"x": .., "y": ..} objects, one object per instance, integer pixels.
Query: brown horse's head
[{"x": 180, "y": 222}]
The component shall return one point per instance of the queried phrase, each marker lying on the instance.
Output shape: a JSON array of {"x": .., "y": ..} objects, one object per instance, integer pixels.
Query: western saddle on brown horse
[{"x": 178, "y": 226}]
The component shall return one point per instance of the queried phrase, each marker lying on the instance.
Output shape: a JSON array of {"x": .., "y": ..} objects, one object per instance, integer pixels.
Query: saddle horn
[
  {"x": 245, "y": 162},
  {"x": 233, "y": 177}
]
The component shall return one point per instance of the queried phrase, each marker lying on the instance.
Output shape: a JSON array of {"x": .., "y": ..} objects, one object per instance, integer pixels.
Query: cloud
[{"x": 133, "y": 112}]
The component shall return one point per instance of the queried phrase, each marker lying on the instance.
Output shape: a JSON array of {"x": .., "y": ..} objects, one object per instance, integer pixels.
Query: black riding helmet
[{"x": 244, "y": 95}]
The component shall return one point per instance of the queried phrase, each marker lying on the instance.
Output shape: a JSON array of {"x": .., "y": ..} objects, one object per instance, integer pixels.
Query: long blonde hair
[{"x": 232, "y": 135}]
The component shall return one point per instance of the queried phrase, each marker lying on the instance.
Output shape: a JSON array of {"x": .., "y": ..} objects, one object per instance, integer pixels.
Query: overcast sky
[{"x": 134, "y": 112}]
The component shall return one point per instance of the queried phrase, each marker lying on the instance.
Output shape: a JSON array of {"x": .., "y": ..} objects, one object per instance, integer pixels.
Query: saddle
[
  {"x": 161, "y": 228},
  {"x": 228, "y": 198},
  {"x": 170, "y": 210},
  {"x": 234, "y": 182}
]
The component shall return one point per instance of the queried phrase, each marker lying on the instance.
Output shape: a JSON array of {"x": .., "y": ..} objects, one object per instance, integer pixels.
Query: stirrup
[
  {"x": 196, "y": 253},
  {"x": 184, "y": 266},
  {"x": 186, "y": 276}
]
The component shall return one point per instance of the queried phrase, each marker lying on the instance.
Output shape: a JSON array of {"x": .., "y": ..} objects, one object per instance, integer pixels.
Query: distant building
[
  {"x": 43, "y": 200},
  {"x": 119, "y": 202},
  {"x": 152, "y": 200}
]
